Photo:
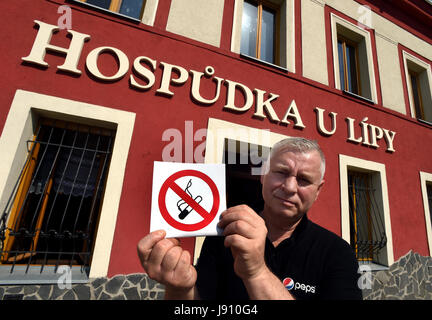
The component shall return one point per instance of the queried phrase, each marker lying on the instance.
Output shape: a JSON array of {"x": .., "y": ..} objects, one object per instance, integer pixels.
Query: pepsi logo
[{"x": 288, "y": 283}]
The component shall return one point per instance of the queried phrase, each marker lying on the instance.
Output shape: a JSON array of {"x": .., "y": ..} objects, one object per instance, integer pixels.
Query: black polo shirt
[{"x": 313, "y": 263}]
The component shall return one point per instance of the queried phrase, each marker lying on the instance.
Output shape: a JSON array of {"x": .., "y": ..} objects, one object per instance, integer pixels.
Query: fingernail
[{"x": 159, "y": 233}]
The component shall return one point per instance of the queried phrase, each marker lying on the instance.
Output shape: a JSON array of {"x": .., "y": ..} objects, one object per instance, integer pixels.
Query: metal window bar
[
  {"x": 9, "y": 203},
  {"x": 69, "y": 227},
  {"x": 22, "y": 232},
  {"x": 367, "y": 226}
]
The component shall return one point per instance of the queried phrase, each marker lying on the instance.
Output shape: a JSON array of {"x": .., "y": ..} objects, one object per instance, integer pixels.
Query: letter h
[{"x": 42, "y": 44}]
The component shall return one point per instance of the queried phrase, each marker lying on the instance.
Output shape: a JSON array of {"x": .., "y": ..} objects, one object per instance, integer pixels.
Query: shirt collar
[
  {"x": 300, "y": 228},
  {"x": 298, "y": 231}
]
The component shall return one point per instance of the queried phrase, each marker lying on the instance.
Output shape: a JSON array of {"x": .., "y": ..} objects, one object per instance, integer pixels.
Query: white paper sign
[{"x": 187, "y": 198}]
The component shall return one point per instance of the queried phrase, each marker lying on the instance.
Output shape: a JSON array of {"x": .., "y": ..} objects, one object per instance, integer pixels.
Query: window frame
[
  {"x": 367, "y": 76},
  {"x": 425, "y": 180},
  {"x": 147, "y": 14},
  {"x": 286, "y": 36},
  {"x": 261, "y": 5},
  {"x": 345, "y": 41},
  {"x": 367, "y": 226},
  {"x": 426, "y": 71},
  {"x": 18, "y": 210},
  {"x": 26, "y": 108},
  {"x": 115, "y": 6},
  {"x": 347, "y": 163}
]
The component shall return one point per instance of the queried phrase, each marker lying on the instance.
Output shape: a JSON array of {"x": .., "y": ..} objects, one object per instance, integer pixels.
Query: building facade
[{"x": 95, "y": 91}]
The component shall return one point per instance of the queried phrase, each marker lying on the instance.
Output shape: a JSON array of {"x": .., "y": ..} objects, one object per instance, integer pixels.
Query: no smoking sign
[{"x": 187, "y": 199}]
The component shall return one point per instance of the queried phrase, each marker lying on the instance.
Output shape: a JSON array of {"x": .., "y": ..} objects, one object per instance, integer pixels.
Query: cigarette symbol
[{"x": 182, "y": 206}]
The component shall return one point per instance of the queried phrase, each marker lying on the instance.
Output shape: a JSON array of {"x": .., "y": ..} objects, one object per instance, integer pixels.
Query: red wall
[{"x": 156, "y": 113}]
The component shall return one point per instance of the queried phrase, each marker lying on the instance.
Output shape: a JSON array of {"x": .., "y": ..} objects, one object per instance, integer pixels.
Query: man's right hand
[{"x": 167, "y": 263}]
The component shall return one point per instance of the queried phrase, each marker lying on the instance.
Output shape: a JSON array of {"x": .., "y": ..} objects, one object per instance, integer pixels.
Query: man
[{"x": 276, "y": 254}]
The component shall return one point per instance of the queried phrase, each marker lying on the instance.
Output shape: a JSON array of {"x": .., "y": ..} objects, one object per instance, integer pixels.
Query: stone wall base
[
  {"x": 408, "y": 278},
  {"x": 136, "y": 286}
]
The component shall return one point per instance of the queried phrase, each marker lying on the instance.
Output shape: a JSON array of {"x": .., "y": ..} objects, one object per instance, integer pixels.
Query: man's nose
[{"x": 290, "y": 184}]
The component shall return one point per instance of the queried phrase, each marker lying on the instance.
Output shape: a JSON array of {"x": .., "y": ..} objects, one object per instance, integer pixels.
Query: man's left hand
[{"x": 245, "y": 233}]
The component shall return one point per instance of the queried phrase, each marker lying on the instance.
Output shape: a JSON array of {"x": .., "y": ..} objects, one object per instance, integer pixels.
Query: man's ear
[{"x": 319, "y": 188}]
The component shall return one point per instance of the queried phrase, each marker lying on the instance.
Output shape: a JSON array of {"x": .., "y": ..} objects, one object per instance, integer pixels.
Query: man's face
[{"x": 292, "y": 184}]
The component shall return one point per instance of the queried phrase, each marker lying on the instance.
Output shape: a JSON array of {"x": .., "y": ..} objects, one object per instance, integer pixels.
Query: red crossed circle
[{"x": 171, "y": 184}]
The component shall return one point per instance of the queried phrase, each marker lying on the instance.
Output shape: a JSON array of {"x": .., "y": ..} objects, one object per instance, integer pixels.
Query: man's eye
[{"x": 304, "y": 181}]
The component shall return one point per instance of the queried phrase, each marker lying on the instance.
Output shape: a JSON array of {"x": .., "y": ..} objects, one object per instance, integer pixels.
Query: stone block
[
  {"x": 29, "y": 290},
  {"x": 383, "y": 276},
  {"x": 82, "y": 291},
  {"x": 45, "y": 291},
  {"x": 132, "y": 293},
  {"x": 395, "y": 269},
  {"x": 135, "y": 278},
  {"x": 69, "y": 295},
  {"x": 377, "y": 285},
  {"x": 96, "y": 283},
  {"x": 114, "y": 284},
  {"x": 151, "y": 283},
  {"x": 104, "y": 296},
  {"x": 144, "y": 294},
  {"x": 57, "y": 292},
  {"x": 391, "y": 291},
  {"x": 15, "y": 290}
]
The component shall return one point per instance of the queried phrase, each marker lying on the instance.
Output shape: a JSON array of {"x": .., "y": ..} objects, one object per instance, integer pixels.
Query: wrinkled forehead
[
  {"x": 309, "y": 160},
  {"x": 293, "y": 150},
  {"x": 288, "y": 155}
]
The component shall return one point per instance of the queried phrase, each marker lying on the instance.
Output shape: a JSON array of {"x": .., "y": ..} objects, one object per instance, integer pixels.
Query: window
[
  {"x": 367, "y": 232},
  {"x": 353, "y": 59},
  {"x": 348, "y": 65},
  {"x": 55, "y": 210},
  {"x": 130, "y": 8},
  {"x": 16, "y": 140},
  {"x": 426, "y": 188},
  {"x": 259, "y": 30},
  {"x": 418, "y": 78},
  {"x": 284, "y": 34},
  {"x": 365, "y": 211}
]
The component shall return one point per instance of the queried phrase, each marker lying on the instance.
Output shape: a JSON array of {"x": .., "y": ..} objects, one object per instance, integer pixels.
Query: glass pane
[
  {"x": 267, "y": 36},
  {"x": 100, "y": 3},
  {"x": 415, "y": 92},
  {"x": 131, "y": 8},
  {"x": 352, "y": 69},
  {"x": 341, "y": 65},
  {"x": 249, "y": 29}
]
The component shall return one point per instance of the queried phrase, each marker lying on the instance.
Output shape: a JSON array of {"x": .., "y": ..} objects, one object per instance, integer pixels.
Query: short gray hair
[{"x": 299, "y": 145}]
